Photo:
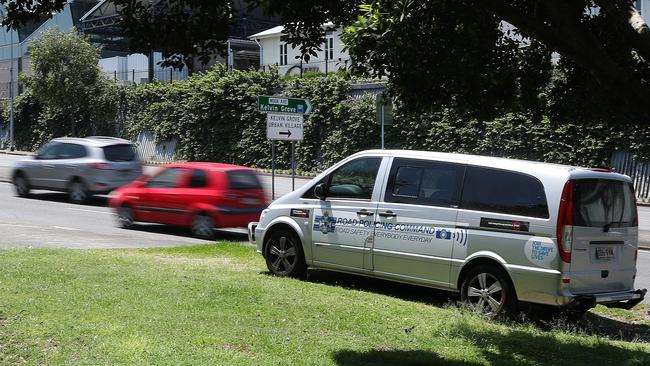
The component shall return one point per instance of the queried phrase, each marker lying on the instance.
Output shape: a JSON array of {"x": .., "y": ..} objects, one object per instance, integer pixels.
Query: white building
[{"x": 274, "y": 50}]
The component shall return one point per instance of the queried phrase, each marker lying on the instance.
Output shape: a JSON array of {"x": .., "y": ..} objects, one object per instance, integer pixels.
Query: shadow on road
[
  {"x": 184, "y": 232},
  {"x": 96, "y": 201}
]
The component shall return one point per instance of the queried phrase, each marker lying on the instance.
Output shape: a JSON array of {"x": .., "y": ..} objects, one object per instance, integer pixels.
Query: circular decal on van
[{"x": 541, "y": 251}]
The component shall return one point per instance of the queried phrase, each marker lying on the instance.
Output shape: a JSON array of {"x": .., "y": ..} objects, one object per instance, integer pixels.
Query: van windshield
[{"x": 604, "y": 203}]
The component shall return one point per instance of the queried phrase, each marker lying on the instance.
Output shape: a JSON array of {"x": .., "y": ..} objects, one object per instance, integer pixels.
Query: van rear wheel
[
  {"x": 283, "y": 254},
  {"x": 488, "y": 291}
]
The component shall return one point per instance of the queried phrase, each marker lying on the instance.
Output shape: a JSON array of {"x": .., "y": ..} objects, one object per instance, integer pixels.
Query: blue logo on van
[
  {"x": 325, "y": 224},
  {"x": 443, "y": 234}
]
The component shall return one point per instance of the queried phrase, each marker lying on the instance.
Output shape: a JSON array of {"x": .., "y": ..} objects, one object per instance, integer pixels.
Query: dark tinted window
[
  {"x": 600, "y": 202},
  {"x": 243, "y": 179},
  {"x": 123, "y": 152},
  {"x": 199, "y": 179},
  {"x": 48, "y": 151},
  {"x": 71, "y": 151},
  {"x": 424, "y": 182},
  {"x": 168, "y": 178},
  {"x": 355, "y": 179},
  {"x": 504, "y": 192}
]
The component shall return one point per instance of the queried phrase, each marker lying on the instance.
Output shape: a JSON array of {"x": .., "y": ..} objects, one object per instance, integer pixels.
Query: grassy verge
[{"x": 215, "y": 304}]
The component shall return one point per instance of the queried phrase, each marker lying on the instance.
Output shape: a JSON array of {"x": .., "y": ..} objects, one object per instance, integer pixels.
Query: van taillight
[{"x": 565, "y": 223}]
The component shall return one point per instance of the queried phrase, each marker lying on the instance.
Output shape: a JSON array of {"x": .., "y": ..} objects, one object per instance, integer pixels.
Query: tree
[
  {"x": 448, "y": 51},
  {"x": 67, "y": 81}
]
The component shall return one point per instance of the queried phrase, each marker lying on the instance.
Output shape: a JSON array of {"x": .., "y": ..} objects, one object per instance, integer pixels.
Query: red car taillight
[{"x": 565, "y": 223}]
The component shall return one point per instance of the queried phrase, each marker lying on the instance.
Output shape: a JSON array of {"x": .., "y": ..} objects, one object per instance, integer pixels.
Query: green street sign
[{"x": 283, "y": 105}]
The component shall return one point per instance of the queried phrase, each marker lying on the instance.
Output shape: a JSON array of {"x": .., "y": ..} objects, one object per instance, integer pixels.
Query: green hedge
[{"x": 213, "y": 116}]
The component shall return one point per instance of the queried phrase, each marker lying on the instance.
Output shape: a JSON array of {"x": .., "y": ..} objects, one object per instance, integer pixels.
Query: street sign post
[
  {"x": 268, "y": 104},
  {"x": 284, "y": 122}
]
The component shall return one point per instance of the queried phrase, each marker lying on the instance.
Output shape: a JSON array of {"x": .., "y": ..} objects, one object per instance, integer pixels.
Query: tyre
[
  {"x": 203, "y": 227},
  {"x": 21, "y": 186},
  {"x": 125, "y": 217},
  {"x": 284, "y": 255},
  {"x": 487, "y": 290},
  {"x": 77, "y": 192}
]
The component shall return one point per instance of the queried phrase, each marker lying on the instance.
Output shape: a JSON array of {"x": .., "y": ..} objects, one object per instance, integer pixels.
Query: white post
[
  {"x": 382, "y": 126},
  {"x": 11, "y": 96}
]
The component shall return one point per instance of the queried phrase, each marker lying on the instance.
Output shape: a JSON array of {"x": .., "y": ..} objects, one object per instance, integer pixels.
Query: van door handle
[
  {"x": 365, "y": 212},
  {"x": 387, "y": 214}
]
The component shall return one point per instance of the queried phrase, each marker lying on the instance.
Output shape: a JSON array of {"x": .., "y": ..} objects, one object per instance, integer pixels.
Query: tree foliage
[
  {"x": 435, "y": 52},
  {"x": 66, "y": 80}
]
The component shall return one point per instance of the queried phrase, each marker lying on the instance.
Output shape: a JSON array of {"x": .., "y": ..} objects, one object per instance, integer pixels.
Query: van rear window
[
  {"x": 603, "y": 202},
  {"x": 504, "y": 192},
  {"x": 243, "y": 179},
  {"x": 122, "y": 152}
]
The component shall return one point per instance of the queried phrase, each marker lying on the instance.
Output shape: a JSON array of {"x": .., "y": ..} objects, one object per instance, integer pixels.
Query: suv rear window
[
  {"x": 604, "y": 202},
  {"x": 122, "y": 152},
  {"x": 243, "y": 179}
]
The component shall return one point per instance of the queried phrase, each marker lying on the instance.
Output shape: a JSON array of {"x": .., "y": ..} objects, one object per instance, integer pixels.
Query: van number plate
[{"x": 604, "y": 253}]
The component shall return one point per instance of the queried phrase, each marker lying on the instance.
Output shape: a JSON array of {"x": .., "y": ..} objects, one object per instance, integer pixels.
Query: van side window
[
  {"x": 355, "y": 179},
  {"x": 504, "y": 192},
  {"x": 424, "y": 182}
]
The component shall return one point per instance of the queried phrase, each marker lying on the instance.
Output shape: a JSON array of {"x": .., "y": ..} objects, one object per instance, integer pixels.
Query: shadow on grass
[
  {"x": 393, "y": 358},
  {"x": 544, "y": 318},
  {"x": 390, "y": 288},
  {"x": 517, "y": 347},
  {"x": 505, "y": 348}
]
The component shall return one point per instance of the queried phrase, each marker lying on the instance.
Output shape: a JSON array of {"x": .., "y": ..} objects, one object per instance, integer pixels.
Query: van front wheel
[
  {"x": 283, "y": 254},
  {"x": 487, "y": 291}
]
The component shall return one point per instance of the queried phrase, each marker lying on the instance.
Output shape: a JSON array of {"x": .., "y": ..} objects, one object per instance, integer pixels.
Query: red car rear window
[{"x": 243, "y": 179}]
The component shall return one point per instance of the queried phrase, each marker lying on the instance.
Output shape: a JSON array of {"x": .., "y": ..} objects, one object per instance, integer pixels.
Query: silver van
[
  {"x": 79, "y": 166},
  {"x": 498, "y": 231}
]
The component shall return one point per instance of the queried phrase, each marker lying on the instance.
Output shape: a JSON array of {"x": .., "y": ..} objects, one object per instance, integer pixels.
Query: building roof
[
  {"x": 279, "y": 30},
  {"x": 269, "y": 32}
]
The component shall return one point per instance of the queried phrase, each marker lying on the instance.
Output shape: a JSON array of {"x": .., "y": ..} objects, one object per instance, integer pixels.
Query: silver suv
[{"x": 79, "y": 166}]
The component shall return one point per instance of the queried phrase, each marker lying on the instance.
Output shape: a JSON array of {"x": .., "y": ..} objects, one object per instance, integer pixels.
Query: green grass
[{"x": 216, "y": 305}]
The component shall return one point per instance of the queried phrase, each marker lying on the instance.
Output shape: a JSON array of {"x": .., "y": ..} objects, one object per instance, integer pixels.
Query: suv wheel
[
  {"x": 21, "y": 186},
  {"x": 203, "y": 227},
  {"x": 77, "y": 192},
  {"x": 283, "y": 254},
  {"x": 488, "y": 291},
  {"x": 125, "y": 217}
]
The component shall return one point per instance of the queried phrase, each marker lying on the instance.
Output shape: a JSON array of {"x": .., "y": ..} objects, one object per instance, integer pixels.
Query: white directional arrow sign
[{"x": 286, "y": 127}]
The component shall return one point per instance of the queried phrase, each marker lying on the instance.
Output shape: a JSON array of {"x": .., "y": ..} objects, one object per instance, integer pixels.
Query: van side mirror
[{"x": 319, "y": 191}]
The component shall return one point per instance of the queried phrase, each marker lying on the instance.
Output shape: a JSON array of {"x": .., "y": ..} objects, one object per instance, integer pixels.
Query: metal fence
[
  {"x": 152, "y": 151},
  {"x": 623, "y": 162},
  {"x": 134, "y": 76}
]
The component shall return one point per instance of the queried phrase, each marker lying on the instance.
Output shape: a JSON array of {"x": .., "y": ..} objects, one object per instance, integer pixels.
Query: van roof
[{"x": 524, "y": 166}]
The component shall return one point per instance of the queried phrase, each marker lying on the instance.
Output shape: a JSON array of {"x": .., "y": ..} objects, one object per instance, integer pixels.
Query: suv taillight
[
  {"x": 100, "y": 166},
  {"x": 565, "y": 223}
]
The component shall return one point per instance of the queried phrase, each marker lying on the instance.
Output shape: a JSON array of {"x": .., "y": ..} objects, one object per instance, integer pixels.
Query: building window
[
  {"x": 329, "y": 48},
  {"x": 283, "y": 54}
]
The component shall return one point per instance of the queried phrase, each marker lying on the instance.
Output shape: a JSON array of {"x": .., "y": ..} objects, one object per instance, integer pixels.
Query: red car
[{"x": 200, "y": 196}]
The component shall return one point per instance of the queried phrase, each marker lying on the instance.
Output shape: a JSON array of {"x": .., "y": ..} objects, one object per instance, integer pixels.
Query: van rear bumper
[{"x": 623, "y": 299}]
